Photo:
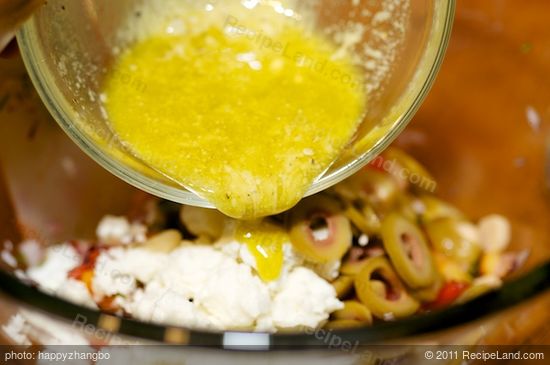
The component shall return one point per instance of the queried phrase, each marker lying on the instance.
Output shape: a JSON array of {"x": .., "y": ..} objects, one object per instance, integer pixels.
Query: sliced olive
[
  {"x": 408, "y": 251},
  {"x": 357, "y": 257},
  {"x": 433, "y": 208},
  {"x": 204, "y": 223},
  {"x": 380, "y": 289},
  {"x": 407, "y": 171},
  {"x": 164, "y": 242},
  {"x": 372, "y": 187},
  {"x": 343, "y": 286},
  {"x": 408, "y": 207},
  {"x": 364, "y": 218},
  {"x": 353, "y": 310},
  {"x": 354, "y": 261},
  {"x": 319, "y": 230},
  {"x": 450, "y": 270},
  {"x": 456, "y": 239},
  {"x": 430, "y": 293}
]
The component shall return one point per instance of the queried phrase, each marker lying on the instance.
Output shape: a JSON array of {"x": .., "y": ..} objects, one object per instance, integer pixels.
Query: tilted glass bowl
[{"x": 68, "y": 46}]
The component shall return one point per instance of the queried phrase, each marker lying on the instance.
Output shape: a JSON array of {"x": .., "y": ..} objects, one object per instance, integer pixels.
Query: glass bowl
[
  {"x": 486, "y": 158},
  {"x": 68, "y": 45}
]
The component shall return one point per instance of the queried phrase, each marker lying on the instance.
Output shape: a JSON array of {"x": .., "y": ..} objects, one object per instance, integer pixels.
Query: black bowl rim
[{"x": 512, "y": 293}]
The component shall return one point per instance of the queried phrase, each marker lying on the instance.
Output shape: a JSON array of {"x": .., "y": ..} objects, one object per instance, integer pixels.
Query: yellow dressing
[
  {"x": 265, "y": 242},
  {"x": 247, "y": 126}
]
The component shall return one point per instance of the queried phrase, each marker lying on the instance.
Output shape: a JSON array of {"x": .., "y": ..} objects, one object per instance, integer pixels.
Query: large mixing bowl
[
  {"x": 68, "y": 45},
  {"x": 482, "y": 132}
]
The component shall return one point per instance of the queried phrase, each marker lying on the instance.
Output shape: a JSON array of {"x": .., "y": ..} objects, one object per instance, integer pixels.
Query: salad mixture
[{"x": 377, "y": 247}]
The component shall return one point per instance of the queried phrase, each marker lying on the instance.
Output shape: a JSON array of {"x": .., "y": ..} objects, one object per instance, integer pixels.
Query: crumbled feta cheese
[
  {"x": 118, "y": 270},
  {"x": 52, "y": 276},
  {"x": 53, "y": 272},
  {"x": 206, "y": 286},
  {"x": 328, "y": 271},
  {"x": 305, "y": 300},
  {"x": 76, "y": 292},
  {"x": 118, "y": 230},
  {"x": 160, "y": 304},
  {"x": 230, "y": 291},
  {"x": 32, "y": 252}
]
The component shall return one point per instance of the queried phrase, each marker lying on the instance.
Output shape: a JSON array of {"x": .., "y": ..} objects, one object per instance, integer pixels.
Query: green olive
[
  {"x": 364, "y": 218},
  {"x": 408, "y": 251},
  {"x": 407, "y": 171},
  {"x": 354, "y": 261},
  {"x": 371, "y": 187},
  {"x": 407, "y": 206},
  {"x": 378, "y": 287},
  {"x": 455, "y": 239},
  {"x": 343, "y": 285},
  {"x": 433, "y": 208},
  {"x": 450, "y": 270},
  {"x": 380, "y": 290},
  {"x": 356, "y": 258},
  {"x": 353, "y": 310},
  {"x": 379, "y": 189},
  {"x": 319, "y": 230},
  {"x": 430, "y": 293}
]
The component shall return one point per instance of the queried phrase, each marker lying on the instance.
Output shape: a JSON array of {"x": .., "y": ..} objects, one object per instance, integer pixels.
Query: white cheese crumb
[
  {"x": 76, "y": 292},
  {"x": 305, "y": 300},
  {"x": 199, "y": 286},
  {"x": 117, "y": 230},
  {"x": 53, "y": 272},
  {"x": 328, "y": 271},
  {"x": 117, "y": 270},
  {"x": 32, "y": 252}
]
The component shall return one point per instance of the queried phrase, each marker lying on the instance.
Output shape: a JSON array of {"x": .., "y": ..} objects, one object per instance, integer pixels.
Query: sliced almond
[
  {"x": 163, "y": 242},
  {"x": 494, "y": 233}
]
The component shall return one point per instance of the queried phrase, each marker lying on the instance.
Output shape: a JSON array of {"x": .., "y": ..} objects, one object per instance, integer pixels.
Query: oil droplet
[{"x": 265, "y": 242}]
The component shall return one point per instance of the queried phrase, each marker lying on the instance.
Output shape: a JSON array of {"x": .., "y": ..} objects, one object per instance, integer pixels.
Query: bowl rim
[
  {"x": 31, "y": 54},
  {"x": 513, "y": 292}
]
